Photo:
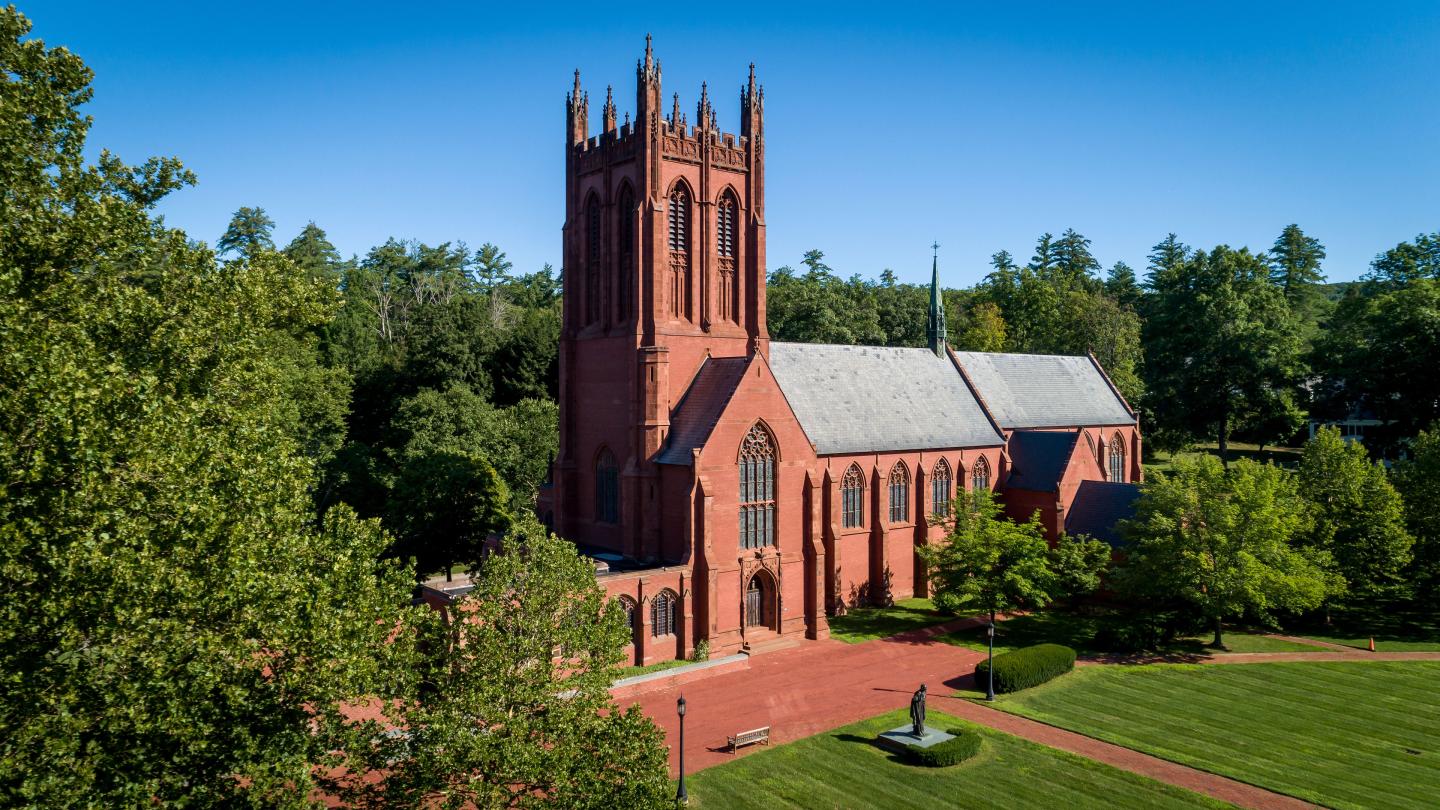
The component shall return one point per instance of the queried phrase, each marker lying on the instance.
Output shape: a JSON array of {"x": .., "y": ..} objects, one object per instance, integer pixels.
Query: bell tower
[{"x": 664, "y": 266}]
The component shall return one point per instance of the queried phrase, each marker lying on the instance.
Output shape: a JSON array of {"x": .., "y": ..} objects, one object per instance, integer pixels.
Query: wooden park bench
[{"x": 754, "y": 735}]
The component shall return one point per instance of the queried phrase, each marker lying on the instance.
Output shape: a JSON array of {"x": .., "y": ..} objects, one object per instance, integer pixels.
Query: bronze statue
[{"x": 917, "y": 712}]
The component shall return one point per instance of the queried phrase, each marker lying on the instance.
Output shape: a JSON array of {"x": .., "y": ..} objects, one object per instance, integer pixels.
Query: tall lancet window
[
  {"x": 852, "y": 498},
  {"x": 899, "y": 493},
  {"x": 980, "y": 475},
  {"x": 757, "y": 489},
  {"x": 940, "y": 489},
  {"x": 679, "y": 219},
  {"x": 592, "y": 260},
  {"x": 607, "y": 489},
  {"x": 725, "y": 215},
  {"x": 625, "y": 238},
  {"x": 1117, "y": 459}
]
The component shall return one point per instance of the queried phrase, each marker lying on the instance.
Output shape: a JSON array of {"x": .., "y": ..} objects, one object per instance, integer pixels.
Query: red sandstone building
[{"x": 741, "y": 489}]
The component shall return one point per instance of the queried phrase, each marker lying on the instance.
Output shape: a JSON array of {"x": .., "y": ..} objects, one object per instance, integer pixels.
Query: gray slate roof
[
  {"x": 1098, "y": 506},
  {"x": 700, "y": 408},
  {"x": 862, "y": 399},
  {"x": 1038, "y": 458},
  {"x": 1043, "y": 390}
]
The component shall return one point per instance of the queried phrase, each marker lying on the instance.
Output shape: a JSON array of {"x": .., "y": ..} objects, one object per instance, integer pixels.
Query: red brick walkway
[{"x": 819, "y": 686}]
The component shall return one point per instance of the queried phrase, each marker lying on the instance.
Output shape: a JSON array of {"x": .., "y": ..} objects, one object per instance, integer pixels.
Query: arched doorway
[{"x": 760, "y": 601}]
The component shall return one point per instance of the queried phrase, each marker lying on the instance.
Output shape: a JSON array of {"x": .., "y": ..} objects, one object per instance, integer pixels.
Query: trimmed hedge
[
  {"x": 1026, "y": 667},
  {"x": 965, "y": 745}
]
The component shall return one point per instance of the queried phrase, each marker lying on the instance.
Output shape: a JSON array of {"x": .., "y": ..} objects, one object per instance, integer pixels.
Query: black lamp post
[
  {"x": 990, "y": 670},
  {"x": 681, "y": 797}
]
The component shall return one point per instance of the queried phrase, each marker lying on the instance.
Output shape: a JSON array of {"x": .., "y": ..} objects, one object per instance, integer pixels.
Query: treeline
[
  {"x": 1210, "y": 345},
  {"x": 427, "y": 399}
]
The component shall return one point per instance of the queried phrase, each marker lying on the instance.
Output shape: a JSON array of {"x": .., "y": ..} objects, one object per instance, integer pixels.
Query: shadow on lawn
[
  {"x": 873, "y": 742},
  {"x": 884, "y": 621},
  {"x": 1386, "y": 620}
]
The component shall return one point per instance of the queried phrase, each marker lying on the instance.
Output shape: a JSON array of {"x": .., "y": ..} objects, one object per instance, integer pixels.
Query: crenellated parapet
[{"x": 675, "y": 138}]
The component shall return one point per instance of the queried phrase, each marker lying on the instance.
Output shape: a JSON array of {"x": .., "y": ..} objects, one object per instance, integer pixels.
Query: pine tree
[
  {"x": 1120, "y": 284},
  {"x": 248, "y": 234},
  {"x": 1295, "y": 263},
  {"x": 1165, "y": 257},
  {"x": 312, "y": 250}
]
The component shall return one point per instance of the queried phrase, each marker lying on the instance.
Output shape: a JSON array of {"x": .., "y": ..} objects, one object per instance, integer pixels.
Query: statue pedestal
[{"x": 896, "y": 739}]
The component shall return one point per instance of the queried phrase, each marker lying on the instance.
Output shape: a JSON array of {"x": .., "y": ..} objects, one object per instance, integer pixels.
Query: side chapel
[{"x": 739, "y": 490}]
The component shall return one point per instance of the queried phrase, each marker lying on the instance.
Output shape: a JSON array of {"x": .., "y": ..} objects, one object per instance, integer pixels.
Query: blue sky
[{"x": 888, "y": 126}]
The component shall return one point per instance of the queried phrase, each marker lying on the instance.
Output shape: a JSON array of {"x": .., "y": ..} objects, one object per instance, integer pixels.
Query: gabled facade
[{"x": 739, "y": 491}]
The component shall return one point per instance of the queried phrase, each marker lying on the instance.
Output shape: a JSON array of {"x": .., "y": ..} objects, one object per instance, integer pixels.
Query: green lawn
[
  {"x": 1158, "y": 461},
  {"x": 1077, "y": 631},
  {"x": 842, "y": 768},
  {"x": 865, "y": 624},
  {"x": 1346, "y": 735},
  {"x": 1396, "y": 627}
]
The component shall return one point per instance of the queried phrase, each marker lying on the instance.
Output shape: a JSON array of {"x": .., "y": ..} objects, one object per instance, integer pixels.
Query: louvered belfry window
[
  {"x": 592, "y": 261},
  {"x": 852, "y": 498},
  {"x": 899, "y": 493},
  {"x": 757, "y": 489},
  {"x": 940, "y": 489},
  {"x": 679, "y": 215},
  {"x": 626, "y": 244},
  {"x": 725, "y": 227}
]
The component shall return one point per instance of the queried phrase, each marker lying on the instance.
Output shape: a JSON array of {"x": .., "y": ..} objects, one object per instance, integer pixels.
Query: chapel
[{"x": 737, "y": 490}]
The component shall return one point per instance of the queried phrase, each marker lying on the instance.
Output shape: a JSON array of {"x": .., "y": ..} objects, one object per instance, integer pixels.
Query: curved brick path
[{"x": 819, "y": 686}]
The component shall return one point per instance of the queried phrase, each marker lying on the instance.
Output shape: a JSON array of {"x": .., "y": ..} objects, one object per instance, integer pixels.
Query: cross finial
[{"x": 936, "y": 247}]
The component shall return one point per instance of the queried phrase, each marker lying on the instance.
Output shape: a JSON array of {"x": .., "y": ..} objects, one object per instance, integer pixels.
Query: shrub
[
  {"x": 701, "y": 651},
  {"x": 965, "y": 745},
  {"x": 1027, "y": 667}
]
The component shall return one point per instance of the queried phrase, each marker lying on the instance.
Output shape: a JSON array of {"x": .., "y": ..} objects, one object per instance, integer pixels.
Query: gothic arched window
[
  {"x": 679, "y": 215},
  {"x": 725, "y": 216},
  {"x": 757, "y": 489},
  {"x": 940, "y": 489},
  {"x": 592, "y": 260},
  {"x": 625, "y": 239},
  {"x": 1117, "y": 459},
  {"x": 680, "y": 219},
  {"x": 725, "y": 226},
  {"x": 899, "y": 493},
  {"x": 628, "y": 605},
  {"x": 607, "y": 489},
  {"x": 662, "y": 613},
  {"x": 852, "y": 498},
  {"x": 980, "y": 475}
]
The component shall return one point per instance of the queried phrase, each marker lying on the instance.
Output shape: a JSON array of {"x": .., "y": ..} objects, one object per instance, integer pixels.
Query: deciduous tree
[
  {"x": 1359, "y": 519},
  {"x": 1418, "y": 480},
  {"x": 510, "y": 706},
  {"x": 989, "y": 562},
  {"x": 1222, "y": 541}
]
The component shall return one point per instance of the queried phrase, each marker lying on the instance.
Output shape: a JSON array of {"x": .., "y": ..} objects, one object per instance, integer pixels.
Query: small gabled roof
[
  {"x": 1098, "y": 506},
  {"x": 1038, "y": 458},
  {"x": 1044, "y": 390},
  {"x": 700, "y": 408},
  {"x": 866, "y": 399}
]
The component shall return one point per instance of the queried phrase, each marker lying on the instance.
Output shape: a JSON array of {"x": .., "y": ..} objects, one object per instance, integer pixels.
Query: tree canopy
[{"x": 1221, "y": 540}]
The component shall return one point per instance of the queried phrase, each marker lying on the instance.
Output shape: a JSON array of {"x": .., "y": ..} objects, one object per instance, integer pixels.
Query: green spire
[{"x": 935, "y": 335}]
